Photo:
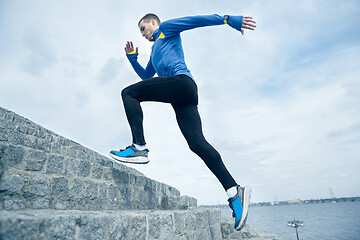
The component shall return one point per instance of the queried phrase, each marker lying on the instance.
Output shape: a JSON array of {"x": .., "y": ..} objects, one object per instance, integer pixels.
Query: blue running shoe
[
  {"x": 240, "y": 206},
  {"x": 130, "y": 155}
]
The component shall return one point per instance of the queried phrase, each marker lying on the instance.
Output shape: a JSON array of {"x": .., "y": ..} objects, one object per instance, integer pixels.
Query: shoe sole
[
  {"x": 133, "y": 160},
  {"x": 246, "y": 203}
]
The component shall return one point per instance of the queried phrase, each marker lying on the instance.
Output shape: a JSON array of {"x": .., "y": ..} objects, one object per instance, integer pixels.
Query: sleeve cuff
[{"x": 225, "y": 19}]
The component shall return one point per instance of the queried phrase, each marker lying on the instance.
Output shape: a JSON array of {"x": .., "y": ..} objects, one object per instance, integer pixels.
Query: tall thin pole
[
  {"x": 295, "y": 224},
  {"x": 297, "y": 235}
]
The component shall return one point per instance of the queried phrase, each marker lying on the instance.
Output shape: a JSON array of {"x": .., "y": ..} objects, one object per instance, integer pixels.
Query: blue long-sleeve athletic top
[{"x": 167, "y": 55}]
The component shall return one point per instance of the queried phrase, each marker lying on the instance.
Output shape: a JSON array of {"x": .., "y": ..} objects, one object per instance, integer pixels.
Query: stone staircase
[{"x": 54, "y": 188}]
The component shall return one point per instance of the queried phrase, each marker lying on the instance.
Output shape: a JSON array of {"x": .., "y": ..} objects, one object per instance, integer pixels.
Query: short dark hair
[{"x": 148, "y": 17}]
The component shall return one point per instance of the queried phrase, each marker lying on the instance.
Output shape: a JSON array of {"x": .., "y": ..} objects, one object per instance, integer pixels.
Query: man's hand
[
  {"x": 240, "y": 23},
  {"x": 129, "y": 48},
  {"x": 248, "y": 23}
]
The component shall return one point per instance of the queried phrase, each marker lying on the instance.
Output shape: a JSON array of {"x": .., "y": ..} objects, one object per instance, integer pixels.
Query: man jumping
[{"x": 176, "y": 85}]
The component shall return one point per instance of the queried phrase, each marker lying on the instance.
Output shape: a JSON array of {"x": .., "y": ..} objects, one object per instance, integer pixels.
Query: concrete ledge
[
  {"x": 248, "y": 232},
  {"x": 137, "y": 225}
]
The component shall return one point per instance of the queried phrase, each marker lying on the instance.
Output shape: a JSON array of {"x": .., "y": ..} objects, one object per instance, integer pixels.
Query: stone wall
[
  {"x": 54, "y": 188},
  {"x": 40, "y": 169}
]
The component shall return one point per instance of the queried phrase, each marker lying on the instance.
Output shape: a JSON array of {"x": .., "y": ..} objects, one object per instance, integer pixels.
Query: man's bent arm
[
  {"x": 177, "y": 25},
  {"x": 143, "y": 73}
]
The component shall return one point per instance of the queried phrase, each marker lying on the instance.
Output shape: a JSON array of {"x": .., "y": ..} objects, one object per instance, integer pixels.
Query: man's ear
[{"x": 153, "y": 22}]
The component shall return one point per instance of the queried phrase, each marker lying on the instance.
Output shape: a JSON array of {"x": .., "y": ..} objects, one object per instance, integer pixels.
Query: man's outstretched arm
[
  {"x": 175, "y": 26},
  {"x": 132, "y": 55}
]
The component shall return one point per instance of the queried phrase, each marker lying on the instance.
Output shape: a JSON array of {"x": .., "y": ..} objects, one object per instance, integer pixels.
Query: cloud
[
  {"x": 40, "y": 54},
  {"x": 109, "y": 71}
]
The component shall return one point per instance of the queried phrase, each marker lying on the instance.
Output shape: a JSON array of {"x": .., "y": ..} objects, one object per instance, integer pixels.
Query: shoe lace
[{"x": 125, "y": 148}]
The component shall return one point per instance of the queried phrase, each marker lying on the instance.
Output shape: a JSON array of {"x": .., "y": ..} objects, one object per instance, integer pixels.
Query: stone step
[
  {"x": 75, "y": 224},
  {"x": 40, "y": 169}
]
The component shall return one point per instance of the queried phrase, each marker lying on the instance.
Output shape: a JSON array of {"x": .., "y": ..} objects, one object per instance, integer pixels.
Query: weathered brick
[
  {"x": 71, "y": 167},
  {"x": 80, "y": 203},
  {"x": 2, "y": 113},
  {"x": 137, "y": 227},
  {"x": 96, "y": 171},
  {"x": 29, "y": 140},
  {"x": 42, "y": 144},
  {"x": 92, "y": 227},
  {"x": 62, "y": 227},
  {"x": 38, "y": 185},
  {"x": 59, "y": 187},
  {"x": 160, "y": 225},
  {"x": 35, "y": 160},
  {"x": 77, "y": 188},
  {"x": 102, "y": 190},
  {"x": 121, "y": 177},
  {"x": 11, "y": 155},
  {"x": 140, "y": 181},
  {"x": 14, "y": 204},
  {"x": 91, "y": 189},
  {"x": 56, "y": 145},
  {"x": 12, "y": 182},
  {"x": 179, "y": 222},
  {"x": 84, "y": 169},
  {"x": 16, "y": 138},
  {"x": 119, "y": 228},
  {"x": 23, "y": 229},
  {"x": 3, "y": 133},
  {"x": 55, "y": 164},
  {"x": 40, "y": 203},
  {"x": 113, "y": 193},
  {"x": 107, "y": 173}
]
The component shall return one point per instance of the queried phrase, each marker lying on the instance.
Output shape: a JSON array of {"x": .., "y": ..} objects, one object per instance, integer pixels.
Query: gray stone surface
[
  {"x": 248, "y": 232},
  {"x": 76, "y": 224}
]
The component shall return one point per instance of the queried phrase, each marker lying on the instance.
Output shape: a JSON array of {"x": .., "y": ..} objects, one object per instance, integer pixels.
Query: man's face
[{"x": 148, "y": 28}]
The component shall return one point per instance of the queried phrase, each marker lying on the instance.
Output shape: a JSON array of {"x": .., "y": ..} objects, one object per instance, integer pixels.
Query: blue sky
[{"x": 280, "y": 104}]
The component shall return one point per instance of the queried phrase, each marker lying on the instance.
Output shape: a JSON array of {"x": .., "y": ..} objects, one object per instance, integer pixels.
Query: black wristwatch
[{"x": 226, "y": 18}]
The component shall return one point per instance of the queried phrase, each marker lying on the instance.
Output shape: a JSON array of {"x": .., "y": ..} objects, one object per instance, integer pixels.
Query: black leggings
[{"x": 181, "y": 92}]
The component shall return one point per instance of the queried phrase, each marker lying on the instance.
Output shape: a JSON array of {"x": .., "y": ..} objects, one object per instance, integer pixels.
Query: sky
[{"x": 280, "y": 104}]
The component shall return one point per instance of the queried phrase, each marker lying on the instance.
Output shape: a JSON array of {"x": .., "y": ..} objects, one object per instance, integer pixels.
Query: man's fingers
[
  {"x": 249, "y": 24},
  {"x": 249, "y": 28},
  {"x": 248, "y": 21}
]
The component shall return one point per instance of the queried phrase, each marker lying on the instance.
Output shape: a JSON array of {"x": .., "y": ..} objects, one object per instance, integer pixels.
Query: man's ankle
[{"x": 140, "y": 147}]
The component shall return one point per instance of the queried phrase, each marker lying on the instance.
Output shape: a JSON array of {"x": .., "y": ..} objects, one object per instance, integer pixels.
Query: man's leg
[
  {"x": 174, "y": 89},
  {"x": 189, "y": 122}
]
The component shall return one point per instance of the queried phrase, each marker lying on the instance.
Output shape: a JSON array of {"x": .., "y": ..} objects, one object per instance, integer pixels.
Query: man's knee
[
  {"x": 126, "y": 92},
  {"x": 197, "y": 146}
]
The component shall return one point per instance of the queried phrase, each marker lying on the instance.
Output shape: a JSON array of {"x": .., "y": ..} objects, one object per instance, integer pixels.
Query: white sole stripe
[
  {"x": 134, "y": 160},
  {"x": 246, "y": 203}
]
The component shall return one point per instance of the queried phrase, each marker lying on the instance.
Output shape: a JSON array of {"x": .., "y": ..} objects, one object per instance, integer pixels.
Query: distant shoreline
[{"x": 292, "y": 202}]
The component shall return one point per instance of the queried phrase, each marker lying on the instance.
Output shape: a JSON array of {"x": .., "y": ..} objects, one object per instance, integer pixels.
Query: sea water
[{"x": 328, "y": 221}]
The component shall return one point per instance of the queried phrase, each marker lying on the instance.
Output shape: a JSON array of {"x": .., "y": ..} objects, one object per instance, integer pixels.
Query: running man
[{"x": 176, "y": 85}]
